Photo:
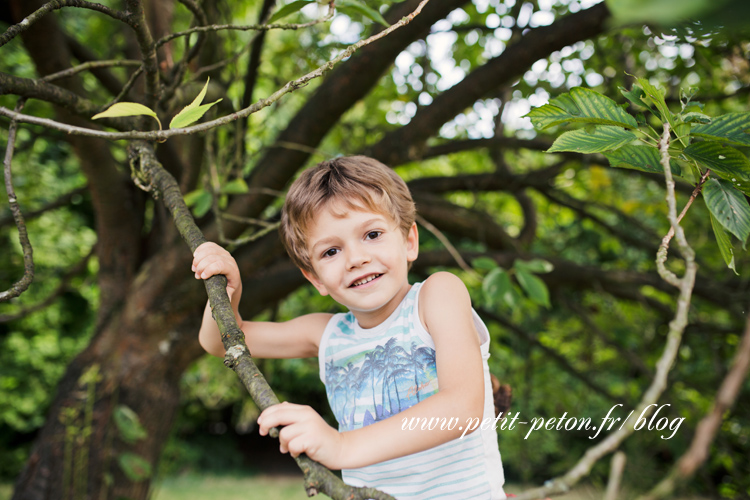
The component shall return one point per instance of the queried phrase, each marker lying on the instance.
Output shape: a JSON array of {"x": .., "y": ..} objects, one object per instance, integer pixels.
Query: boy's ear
[
  {"x": 315, "y": 282},
  {"x": 412, "y": 243}
]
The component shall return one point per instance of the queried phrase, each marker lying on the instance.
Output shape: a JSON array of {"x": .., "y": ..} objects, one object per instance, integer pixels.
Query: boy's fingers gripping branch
[
  {"x": 304, "y": 431},
  {"x": 210, "y": 259}
]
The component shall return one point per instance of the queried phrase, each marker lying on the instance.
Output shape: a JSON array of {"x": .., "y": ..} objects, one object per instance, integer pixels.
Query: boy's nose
[{"x": 357, "y": 258}]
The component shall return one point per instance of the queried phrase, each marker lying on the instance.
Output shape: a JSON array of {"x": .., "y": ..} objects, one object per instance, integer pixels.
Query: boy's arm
[
  {"x": 446, "y": 307},
  {"x": 298, "y": 338}
]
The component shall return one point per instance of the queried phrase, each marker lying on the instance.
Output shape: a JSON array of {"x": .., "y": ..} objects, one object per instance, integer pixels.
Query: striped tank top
[{"x": 372, "y": 374}]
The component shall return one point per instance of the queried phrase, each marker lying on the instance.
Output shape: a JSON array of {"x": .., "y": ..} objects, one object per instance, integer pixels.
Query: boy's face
[{"x": 360, "y": 259}]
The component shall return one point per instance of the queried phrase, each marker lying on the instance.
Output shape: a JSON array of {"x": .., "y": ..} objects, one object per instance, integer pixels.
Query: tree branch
[
  {"x": 494, "y": 181},
  {"x": 137, "y": 21},
  {"x": 63, "y": 286},
  {"x": 28, "y": 254},
  {"x": 706, "y": 431},
  {"x": 90, "y": 65},
  {"x": 551, "y": 353},
  {"x": 85, "y": 55},
  {"x": 238, "y": 358},
  {"x": 450, "y": 147},
  {"x": 40, "y": 89},
  {"x": 57, "y": 203},
  {"x": 26, "y": 23},
  {"x": 408, "y": 142}
]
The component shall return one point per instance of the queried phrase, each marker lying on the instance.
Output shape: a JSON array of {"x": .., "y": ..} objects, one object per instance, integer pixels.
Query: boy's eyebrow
[{"x": 332, "y": 239}]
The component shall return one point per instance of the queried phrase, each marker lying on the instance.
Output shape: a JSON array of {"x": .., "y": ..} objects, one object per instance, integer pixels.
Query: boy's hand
[
  {"x": 304, "y": 431},
  {"x": 210, "y": 259}
]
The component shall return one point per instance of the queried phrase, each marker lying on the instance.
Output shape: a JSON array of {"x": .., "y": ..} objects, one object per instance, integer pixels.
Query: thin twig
[
  {"x": 663, "y": 366},
  {"x": 706, "y": 431},
  {"x": 126, "y": 88},
  {"x": 90, "y": 65},
  {"x": 162, "y": 135},
  {"x": 247, "y": 220},
  {"x": 301, "y": 147},
  {"x": 28, "y": 253},
  {"x": 249, "y": 27},
  {"x": 232, "y": 244},
  {"x": 449, "y": 246},
  {"x": 693, "y": 196}
]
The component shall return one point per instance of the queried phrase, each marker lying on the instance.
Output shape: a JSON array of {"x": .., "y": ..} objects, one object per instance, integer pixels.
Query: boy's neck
[{"x": 371, "y": 319}]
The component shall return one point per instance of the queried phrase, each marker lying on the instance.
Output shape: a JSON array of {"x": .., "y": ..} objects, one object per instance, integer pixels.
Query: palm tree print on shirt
[{"x": 387, "y": 380}]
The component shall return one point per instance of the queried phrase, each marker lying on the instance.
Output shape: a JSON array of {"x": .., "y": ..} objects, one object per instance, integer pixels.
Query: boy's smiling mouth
[{"x": 365, "y": 280}]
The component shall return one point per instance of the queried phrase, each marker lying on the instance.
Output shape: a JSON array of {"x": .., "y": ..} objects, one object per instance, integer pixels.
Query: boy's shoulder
[
  {"x": 441, "y": 292},
  {"x": 443, "y": 283}
]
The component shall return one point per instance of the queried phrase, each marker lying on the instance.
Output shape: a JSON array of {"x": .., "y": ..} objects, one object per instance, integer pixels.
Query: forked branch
[
  {"x": 317, "y": 477},
  {"x": 677, "y": 326}
]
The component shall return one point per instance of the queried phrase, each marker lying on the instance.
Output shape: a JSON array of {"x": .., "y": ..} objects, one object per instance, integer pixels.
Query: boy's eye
[
  {"x": 373, "y": 235},
  {"x": 330, "y": 252}
]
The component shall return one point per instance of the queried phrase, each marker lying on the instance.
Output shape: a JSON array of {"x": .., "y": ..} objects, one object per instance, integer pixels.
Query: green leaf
[
  {"x": 604, "y": 138},
  {"x": 128, "y": 424},
  {"x": 662, "y": 12},
  {"x": 643, "y": 158},
  {"x": 695, "y": 117},
  {"x": 289, "y": 9},
  {"x": 655, "y": 96},
  {"x": 237, "y": 186},
  {"x": 725, "y": 244},
  {"x": 725, "y": 161},
  {"x": 200, "y": 200},
  {"x": 484, "y": 264},
  {"x": 634, "y": 95},
  {"x": 581, "y": 105},
  {"x": 729, "y": 207},
  {"x": 134, "y": 466},
  {"x": 360, "y": 8},
  {"x": 534, "y": 287},
  {"x": 497, "y": 288},
  {"x": 726, "y": 128},
  {"x": 189, "y": 116},
  {"x": 120, "y": 109},
  {"x": 193, "y": 111},
  {"x": 537, "y": 266}
]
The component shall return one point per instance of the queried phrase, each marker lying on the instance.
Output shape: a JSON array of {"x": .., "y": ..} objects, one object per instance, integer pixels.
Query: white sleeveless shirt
[{"x": 373, "y": 374}]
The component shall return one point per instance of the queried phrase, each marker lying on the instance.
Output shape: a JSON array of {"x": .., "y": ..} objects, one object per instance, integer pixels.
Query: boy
[{"x": 419, "y": 351}]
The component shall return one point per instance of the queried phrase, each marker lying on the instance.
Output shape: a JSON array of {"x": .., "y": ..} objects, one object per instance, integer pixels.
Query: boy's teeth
[{"x": 365, "y": 280}]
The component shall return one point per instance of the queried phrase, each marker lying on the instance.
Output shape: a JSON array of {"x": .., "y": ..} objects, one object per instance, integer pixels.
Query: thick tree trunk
[{"x": 135, "y": 361}]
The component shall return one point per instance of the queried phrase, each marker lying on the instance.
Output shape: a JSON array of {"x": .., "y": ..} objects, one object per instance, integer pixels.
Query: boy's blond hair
[{"x": 357, "y": 181}]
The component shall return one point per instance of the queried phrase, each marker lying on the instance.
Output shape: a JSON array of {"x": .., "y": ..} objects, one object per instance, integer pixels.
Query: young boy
[{"x": 402, "y": 354}]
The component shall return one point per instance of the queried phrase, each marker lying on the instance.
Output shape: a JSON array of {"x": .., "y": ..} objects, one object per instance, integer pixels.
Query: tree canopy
[{"x": 557, "y": 248}]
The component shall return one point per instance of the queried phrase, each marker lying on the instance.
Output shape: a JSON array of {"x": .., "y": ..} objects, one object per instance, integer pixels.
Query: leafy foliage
[{"x": 704, "y": 151}]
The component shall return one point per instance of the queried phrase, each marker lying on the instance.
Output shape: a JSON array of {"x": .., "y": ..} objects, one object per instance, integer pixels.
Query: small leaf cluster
[
  {"x": 200, "y": 200},
  {"x": 189, "y": 114},
  {"x": 703, "y": 149},
  {"x": 498, "y": 288},
  {"x": 131, "y": 430}
]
